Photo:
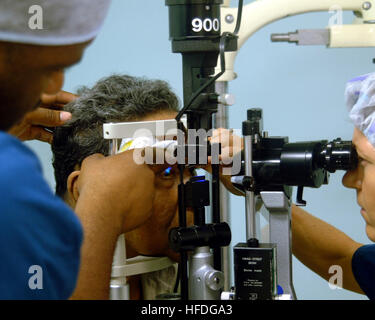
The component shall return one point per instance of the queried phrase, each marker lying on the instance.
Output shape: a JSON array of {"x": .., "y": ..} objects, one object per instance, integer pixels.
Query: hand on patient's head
[{"x": 49, "y": 114}]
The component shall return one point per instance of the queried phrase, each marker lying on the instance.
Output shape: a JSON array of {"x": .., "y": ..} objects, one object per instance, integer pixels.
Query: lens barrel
[
  {"x": 339, "y": 155},
  {"x": 277, "y": 162},
  {"x": 308, "y": 163}
]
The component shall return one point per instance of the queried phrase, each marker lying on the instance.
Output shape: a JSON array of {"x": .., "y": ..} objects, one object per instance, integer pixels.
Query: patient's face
[{"x": 152, "y": 237}]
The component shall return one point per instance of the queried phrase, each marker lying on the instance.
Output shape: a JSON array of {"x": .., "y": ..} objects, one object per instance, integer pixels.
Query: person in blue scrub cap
[{"x": 41, "y": 237}]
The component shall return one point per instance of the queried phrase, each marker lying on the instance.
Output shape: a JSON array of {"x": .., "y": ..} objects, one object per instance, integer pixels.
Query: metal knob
[
  {"x": 227, "y": 99},
  {"x": 214, "y": 280}
]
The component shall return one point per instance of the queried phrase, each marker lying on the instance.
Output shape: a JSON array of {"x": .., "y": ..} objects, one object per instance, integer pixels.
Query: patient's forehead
[
  {"x": 364, "y": 148},
  {"x": 160, "y": 115}
]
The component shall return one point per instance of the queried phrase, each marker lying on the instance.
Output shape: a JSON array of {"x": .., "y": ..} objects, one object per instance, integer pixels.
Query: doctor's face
[
  {"x": 362, "y": 179},
  {"x": 26, "y": 72}
]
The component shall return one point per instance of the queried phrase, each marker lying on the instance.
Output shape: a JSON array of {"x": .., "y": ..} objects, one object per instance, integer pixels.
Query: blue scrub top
[
  {"x": 40, "y": 236},
  {"x": 363, "y": 266}
]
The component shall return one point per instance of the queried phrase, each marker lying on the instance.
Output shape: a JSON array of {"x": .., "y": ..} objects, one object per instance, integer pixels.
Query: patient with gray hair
[{"x": 122, "y": 98}]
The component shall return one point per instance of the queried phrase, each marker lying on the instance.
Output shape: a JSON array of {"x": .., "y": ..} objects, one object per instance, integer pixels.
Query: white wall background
[{"x": 299, "y": 88}]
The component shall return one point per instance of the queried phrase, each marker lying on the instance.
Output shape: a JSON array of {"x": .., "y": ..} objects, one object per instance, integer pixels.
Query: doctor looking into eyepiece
[{"x": 319, "y": 245}]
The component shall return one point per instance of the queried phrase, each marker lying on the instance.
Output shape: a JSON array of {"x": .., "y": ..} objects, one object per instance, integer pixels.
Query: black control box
[{"x": 255, "y": 271}]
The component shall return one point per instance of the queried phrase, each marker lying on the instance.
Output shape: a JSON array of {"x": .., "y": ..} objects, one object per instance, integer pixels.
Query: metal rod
[
  {"x": 279, "y": 207},
  {"x": 221, "y": 120},
  {"x": 119, "y": 289},
  {"x": 250, "y": 197},
  {"x": 113, "y": 146},
  {"x": 215, "y": 183},
  {"x": 182, "y": 223},
  {"x": 182, "y": 210}
]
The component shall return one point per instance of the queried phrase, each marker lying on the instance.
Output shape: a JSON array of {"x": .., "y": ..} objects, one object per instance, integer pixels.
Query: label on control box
[{"x": 255, "y": 271}]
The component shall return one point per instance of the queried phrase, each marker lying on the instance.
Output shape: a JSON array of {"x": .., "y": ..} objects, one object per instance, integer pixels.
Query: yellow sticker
[{"x": 126, "y": 146}]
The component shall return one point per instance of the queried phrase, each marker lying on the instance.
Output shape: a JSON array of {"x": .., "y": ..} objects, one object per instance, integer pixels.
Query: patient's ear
[{"x": 71, "y": 186}]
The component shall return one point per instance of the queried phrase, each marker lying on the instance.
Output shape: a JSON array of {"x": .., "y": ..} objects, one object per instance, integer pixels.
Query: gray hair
[{"x": 117, "y": 98}]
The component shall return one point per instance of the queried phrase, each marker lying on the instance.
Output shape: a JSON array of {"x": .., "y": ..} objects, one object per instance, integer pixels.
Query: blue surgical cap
[{"x": 360, "y": 100}]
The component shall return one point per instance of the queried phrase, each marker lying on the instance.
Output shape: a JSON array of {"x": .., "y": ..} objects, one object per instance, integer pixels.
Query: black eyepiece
[{"x": 339, "y": 155}]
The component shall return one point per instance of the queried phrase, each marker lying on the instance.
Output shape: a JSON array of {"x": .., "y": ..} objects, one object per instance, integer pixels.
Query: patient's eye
[
  {"x": 168, "y": 173},
  {"x": 172, "y": 173}
]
